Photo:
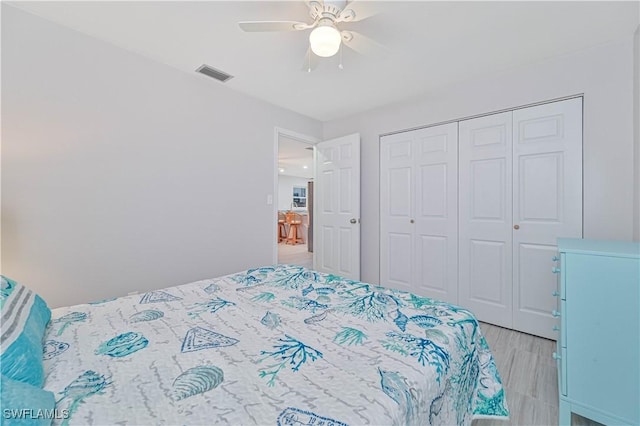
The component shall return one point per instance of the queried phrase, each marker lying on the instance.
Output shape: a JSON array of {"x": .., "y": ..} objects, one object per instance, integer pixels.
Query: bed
[{"x": 279, "y": 345}]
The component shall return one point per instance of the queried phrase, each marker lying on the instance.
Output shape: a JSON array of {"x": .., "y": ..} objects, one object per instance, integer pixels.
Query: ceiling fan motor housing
[{"x": 327, "y": 9}]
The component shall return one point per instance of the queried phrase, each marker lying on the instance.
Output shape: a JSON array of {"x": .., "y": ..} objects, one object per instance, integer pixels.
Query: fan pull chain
[
  {"x": 340, "y": 64},
  {"x": 309, "y": 58}
]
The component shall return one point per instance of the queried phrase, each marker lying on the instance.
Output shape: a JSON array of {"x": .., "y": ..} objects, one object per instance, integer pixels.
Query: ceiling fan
[{"x": 325, "y": 38}]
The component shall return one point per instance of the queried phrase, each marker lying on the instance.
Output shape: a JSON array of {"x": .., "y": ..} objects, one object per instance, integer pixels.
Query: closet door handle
[
  {"x": 516, "y": 227},
  {"x": 353, "y": 221},
  {"x": 411, "y": 221}
]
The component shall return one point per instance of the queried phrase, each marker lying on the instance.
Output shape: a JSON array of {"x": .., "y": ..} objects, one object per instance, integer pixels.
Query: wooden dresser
[{"x": 598, "y": 314}]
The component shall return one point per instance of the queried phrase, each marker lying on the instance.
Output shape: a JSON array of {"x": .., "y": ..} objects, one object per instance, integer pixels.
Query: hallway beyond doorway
[{"x": 295, "y": 255}]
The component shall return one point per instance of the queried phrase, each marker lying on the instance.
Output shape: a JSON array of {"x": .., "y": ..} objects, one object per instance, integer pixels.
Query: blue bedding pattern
[{"x": 274, "y": 345}]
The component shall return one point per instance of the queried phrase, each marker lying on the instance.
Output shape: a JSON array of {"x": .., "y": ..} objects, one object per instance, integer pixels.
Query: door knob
[
  {"x": 411, "y": 221},
  {"x": 516, "y": 227},
  {"x": 353, "y": 221}
]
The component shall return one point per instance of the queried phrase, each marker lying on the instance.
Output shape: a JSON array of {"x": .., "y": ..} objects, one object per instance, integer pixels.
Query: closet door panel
[
  {"x": 436, "y": 222},
  {"x": 433, "y": 188},
  {"x": 396, "y": 211},
  {"x": 534, "y": 284},
  {"x": 433, "y": 266},
  {"x": 486, "y": 265},
  {"x": 485, "y": 217},
  {"x": 398, "y": 264},
  {"x": 400, "y": 197},
  {"x": 547, "y": 204}
]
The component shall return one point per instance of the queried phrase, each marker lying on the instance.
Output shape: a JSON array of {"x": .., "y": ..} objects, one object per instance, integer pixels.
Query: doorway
[{"x": 294, "y": 199}]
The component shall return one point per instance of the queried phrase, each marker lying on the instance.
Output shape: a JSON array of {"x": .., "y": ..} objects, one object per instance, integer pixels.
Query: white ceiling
[
  {"x": 427, "y": 44},
  {"x": 294, "y": 158}
]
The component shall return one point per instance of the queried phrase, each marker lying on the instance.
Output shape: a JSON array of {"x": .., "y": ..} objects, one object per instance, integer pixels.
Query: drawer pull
[
  {"x": 555, "y": 294},
  {"x": 555, "y": 258},
  {"x": 555, "y": 270},
  {"x": 556, "y": 328},
  {"x": 555, "y": 313},
  {"x": 556, "y": 356}
]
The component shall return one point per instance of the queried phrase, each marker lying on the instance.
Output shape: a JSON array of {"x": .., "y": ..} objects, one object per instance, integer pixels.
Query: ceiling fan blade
[
  {"x": 356, "y": 11},
  {"x": 315, "y": 7},
  {"x": 263, "y": 26},
  {"x": 310, "y": 61},
  {"x": 363, "y": 44}
]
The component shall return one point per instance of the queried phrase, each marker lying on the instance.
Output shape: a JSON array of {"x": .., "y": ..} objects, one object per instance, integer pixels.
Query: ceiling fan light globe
[{"x": 325, "y": 41}]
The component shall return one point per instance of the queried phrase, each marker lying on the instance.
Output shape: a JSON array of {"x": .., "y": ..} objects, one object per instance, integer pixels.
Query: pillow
[
  {"x": 24, "y": 404},
  {"x": 23, "y": 317}
]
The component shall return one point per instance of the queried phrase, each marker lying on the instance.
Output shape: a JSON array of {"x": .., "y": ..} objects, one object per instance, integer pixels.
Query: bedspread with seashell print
[{"x": 277, "y": 345}]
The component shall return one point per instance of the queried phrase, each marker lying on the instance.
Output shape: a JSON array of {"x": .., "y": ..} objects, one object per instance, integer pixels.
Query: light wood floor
[
  {"x": 529, "y": 376},
  {"x": 295, "y": 255}
]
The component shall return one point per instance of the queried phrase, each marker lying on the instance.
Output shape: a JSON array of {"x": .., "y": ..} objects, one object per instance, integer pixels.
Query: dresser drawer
[
  {"x": 563, "y": 323},
  {"x": 563, "y": 277},
  {"x": 561, "y": 360}
]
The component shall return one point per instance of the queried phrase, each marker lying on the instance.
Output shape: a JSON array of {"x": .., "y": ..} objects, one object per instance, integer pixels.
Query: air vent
[
  {"x": 310, "y": 148},
  {"x": 214, "y": 73}
]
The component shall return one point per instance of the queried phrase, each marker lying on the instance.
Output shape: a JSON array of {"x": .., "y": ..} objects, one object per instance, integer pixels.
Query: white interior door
[
  {"x": 485, "y": 217},
  {"x": 547, "y": 204},
  {"x": 337, "y": 207}
]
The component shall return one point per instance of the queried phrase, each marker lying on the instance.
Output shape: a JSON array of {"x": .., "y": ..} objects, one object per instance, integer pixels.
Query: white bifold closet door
[
  {"x": 419, "y": 209},
  {"x": 520, "y": 189},
  {"x": 485, "y": 202}
]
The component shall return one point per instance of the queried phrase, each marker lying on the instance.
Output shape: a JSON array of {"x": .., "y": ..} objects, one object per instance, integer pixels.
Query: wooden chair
[
  {"x": 295, "y": 233},
  {"x": 282, "y": 230}
]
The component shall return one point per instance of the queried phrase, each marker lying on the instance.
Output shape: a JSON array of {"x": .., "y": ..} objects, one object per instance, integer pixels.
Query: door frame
[{"x": 310, "y": 140}]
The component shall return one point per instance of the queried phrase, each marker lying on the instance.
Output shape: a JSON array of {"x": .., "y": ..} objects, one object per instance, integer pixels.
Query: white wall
[
  {"x": 285, "y": 190},
  {"x": 604, "y": 74},
  {"x": 636, "y": 133},
  {"x": 122, "y": 174}
]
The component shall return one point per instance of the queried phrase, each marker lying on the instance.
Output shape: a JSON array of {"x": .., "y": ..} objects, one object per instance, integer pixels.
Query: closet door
[
  {"x": 396, "y": 211},
  {"x": 547, "y": 204},
  {"x": 418, "y": 215},
  {"x": 436, "y": 212},
  {"x": 520, "y": 190},
  {"x": 485, "y": 217}
]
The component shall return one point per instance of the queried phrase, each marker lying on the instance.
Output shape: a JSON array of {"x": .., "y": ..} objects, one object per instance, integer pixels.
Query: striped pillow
[{"x": 23, "y": 320}]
